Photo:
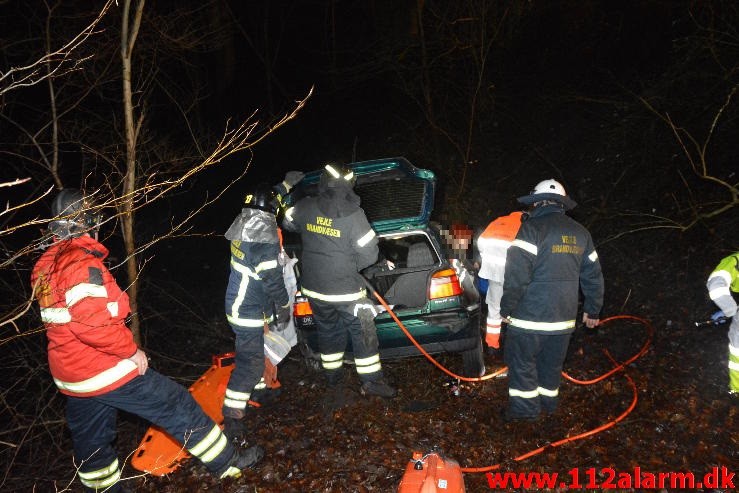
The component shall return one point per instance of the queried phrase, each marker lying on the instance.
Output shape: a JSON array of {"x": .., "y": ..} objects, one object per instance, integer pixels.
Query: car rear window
[{"x": 391, "y": 199}]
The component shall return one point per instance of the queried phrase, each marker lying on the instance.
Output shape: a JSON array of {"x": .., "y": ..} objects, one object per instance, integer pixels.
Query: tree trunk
[{"x": 128, "y": 40}]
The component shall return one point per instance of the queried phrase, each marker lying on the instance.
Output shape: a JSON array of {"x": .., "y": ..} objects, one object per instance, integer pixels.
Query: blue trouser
[
  {"x": 534, "y": 361},
  {"x": 154, "y": 397},
  {"x": 338, "y": 321},
  {"x": 248, "y": 370}
]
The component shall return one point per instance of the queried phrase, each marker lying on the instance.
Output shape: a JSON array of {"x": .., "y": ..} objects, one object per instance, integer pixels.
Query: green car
[{"x": 422, "y": 290}]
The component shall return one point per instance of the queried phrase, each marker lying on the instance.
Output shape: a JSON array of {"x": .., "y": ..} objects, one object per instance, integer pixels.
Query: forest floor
[{"x": 683, "y": 421}]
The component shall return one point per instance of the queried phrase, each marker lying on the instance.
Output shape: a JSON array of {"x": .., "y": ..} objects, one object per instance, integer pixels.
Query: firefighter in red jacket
[{"x": 95, "y": 362}]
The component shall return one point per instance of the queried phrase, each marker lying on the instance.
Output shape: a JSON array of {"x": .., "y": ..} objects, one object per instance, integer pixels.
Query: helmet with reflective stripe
[
  {"x": 261, "y": 197},
  {"x": 548, "y": 190},
  {"x": 73, "y": 215},
  {"x": 338, "y": 175}
]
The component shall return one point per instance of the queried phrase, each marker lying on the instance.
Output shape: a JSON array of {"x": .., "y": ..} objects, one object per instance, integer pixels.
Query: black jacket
[
  {"x": 337, "y": 242},
  {"x": 551, "y": 258}
]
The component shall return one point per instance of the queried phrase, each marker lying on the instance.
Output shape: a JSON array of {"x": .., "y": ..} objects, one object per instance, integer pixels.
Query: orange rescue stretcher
[{"x": 159, "y": 453}]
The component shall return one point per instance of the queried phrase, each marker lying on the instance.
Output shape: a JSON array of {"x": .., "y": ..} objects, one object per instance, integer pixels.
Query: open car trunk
[{"x": 415, "y": 260}]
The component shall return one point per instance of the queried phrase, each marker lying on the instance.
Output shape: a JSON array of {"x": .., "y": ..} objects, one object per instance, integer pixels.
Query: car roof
[{"x": 395, "y": 194}]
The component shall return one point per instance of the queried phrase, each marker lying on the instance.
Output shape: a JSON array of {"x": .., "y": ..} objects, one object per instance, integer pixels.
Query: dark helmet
[
  {"x": 262, "y": 197},
  {"x": 72, "y": 214},
  {"x": 336, "y": 175}
]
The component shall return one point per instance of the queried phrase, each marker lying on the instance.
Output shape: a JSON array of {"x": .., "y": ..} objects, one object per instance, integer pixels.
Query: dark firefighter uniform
[
  {"x": 550, "y": 260},
  {"x": 338, "y": 242},
  {"x": 255, "y": 289},
  {"x": 721, "y": 283},
  {"x": 84, "y": 312}
]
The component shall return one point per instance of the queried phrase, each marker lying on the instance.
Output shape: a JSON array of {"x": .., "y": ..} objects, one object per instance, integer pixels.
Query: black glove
[{"x": 282, "y": 317}]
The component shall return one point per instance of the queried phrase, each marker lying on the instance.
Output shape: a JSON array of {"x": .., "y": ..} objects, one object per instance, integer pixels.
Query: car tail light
[
  {"x": 301, "y": 307},
  {"x": 444, "y": 284}
]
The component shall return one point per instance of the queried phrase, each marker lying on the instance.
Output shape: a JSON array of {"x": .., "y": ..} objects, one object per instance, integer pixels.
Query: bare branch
[{"x": 58, "y": 62}]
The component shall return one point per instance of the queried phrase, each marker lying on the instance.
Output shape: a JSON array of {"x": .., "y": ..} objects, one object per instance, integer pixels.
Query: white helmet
[{"x": 548, "y": 190}]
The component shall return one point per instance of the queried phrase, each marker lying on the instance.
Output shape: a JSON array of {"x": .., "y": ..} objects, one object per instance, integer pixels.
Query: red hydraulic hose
[{"x": 618, "y": 367}]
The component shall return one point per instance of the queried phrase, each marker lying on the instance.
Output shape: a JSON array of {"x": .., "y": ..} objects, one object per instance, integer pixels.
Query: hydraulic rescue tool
[{"x": 431, "y": 473}]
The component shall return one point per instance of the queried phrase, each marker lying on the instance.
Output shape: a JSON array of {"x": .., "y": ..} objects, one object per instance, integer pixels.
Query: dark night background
[{"x": 493, "y": 96}]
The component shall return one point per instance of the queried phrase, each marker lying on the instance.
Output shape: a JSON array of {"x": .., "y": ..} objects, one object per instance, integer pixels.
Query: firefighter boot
[
  {"x": 234, "y": 429},
  {"x": 244, "y": 458},
  {"x": 337, "y": 394},
  {"x": 379, "y": 388},
  {"x": 334, "y": 378}
]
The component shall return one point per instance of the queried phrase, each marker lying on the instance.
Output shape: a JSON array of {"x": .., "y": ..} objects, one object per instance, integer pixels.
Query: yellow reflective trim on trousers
[
  {"x": 368, "y": 360},
  {"x": 734, "y": 365},
  {"x": 101, "y": 484},
  {"x": 234, "y": 404},
  {"x": 526, "y": 394},
  {"x": 216, "y": 450},
  {"x": 367, "y": 365},
  {"x": 236, "y": 400},
  {"x": 365, "y": 370},
  {"x": 332, "y": 361},
  {"x": 231, "y": 472},
  {"x": 335, "y": 297},
  {"x": 544, "y": 326},
  {"x": 207, "y": 441},
  {"x": 99, "y": 473},
  {"x": 734, "y": 351},
  {"x": 101, "y": 478},
  {"x": 547, "y": 392}
]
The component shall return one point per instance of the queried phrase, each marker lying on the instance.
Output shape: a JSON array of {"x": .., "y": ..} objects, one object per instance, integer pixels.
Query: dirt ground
[{"x": 683, "y": 420}]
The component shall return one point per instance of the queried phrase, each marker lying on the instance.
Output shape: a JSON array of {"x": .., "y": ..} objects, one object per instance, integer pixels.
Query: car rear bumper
[{"x": 453, "y": 332}]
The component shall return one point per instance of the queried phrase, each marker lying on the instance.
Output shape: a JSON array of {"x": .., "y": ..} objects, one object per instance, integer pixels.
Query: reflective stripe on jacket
[
  {"x": 84, "y": 311},
  {"x": 549, "y": 262},
  {"x": 335, "y": 249},
  {"x": 493, "y": 245},
  {"x": 723, "y": 280},
  {"x": 255, "y": 283}
]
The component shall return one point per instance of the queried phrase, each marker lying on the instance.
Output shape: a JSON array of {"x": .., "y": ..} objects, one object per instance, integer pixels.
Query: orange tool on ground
[
  {"x": 431, "y": 473},
  {"x": 159, "y": 453}
]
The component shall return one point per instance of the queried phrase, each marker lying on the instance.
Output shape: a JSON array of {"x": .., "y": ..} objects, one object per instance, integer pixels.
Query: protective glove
[
  {"x": 282, "y": 317},
  {"x": 719, "y": 315},
  {"x": 292, "y": 178}
]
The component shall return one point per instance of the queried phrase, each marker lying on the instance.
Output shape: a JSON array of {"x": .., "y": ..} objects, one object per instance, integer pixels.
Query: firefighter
[
  {"x": 493, "y": 246},
  {"x": 721, "y": 283},
  {"x": 96, "y": 364},
  {"x": 338, "y": 242},
  {"x": 551, "y": 259},
  {"x": 255, "y": 297}
]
